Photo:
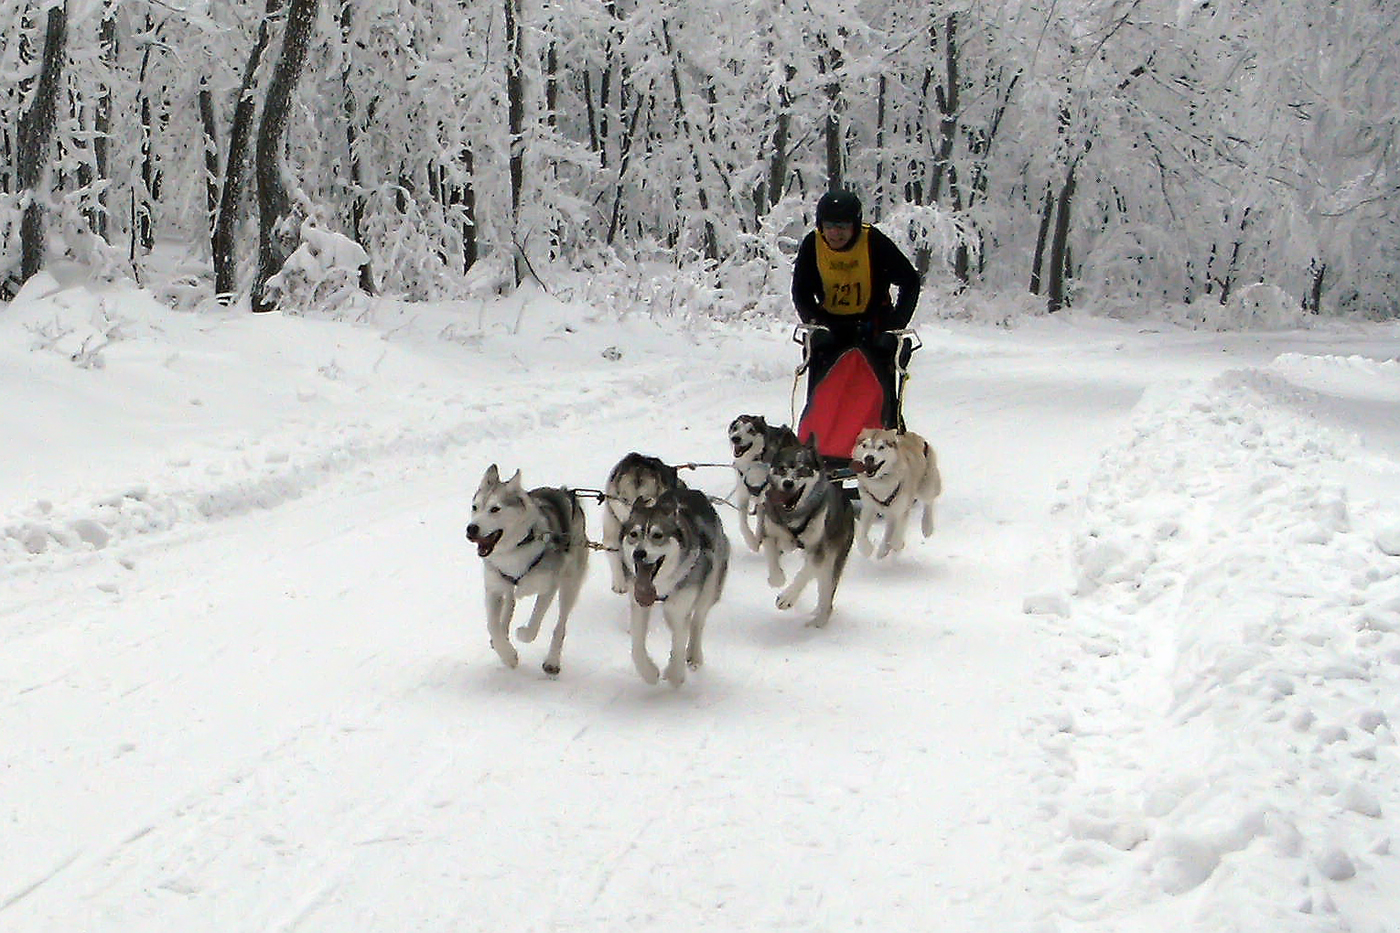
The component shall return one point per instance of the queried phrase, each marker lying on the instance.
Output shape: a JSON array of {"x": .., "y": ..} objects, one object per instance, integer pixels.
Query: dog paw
[
  {"x": 864, "y": 546},
  {"x": 551, "y": 668},
  {"x": 786, "y": 601},
  {"x": 675, "y": 674},
  {"x": 819, "y": 620},
  {"x": 508, "y": 657},
  {"x": 619, "y": 587},
  {"x": 650, "y": 672},
  {"x": 526, "y": 634}
]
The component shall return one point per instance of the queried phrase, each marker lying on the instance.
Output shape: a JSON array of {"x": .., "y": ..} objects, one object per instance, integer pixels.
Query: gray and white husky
[
  {"x": 755, "y": 443},
  {"x": 532, "y": 543},
  {"x": 636, "y": 478},
  {"x": 804, "y": 511},
  {"x": 674, "y": 552}
]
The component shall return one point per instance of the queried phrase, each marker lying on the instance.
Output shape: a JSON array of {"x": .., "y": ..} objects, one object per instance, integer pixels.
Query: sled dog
[
  {"x": 635, "y": 478},
  {"x": 674, "y": 552},
  {"x": 804, "y": 511},
  {"x": 894, "y": 473},
  {"x": 755, "y": 442},
  {"x": 532, "y": 543}
]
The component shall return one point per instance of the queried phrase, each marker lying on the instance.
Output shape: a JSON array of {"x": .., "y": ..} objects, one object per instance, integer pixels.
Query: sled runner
[{"x": 862, "y": 389}]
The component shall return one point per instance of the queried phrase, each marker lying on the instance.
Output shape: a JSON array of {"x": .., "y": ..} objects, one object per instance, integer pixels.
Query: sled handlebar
[{"x": 907, "y": 337}]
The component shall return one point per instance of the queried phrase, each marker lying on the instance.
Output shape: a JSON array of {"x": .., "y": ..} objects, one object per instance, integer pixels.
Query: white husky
[
  {"x": 895, "y": 472},
  {"x": 532, "y": 542}
]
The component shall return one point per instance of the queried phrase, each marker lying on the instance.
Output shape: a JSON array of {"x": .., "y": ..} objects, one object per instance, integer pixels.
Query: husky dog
[
  {"x": 894, "y": 472},
  {"x": 804, "y": 511},
  {"x": 636, "y": 478},
  {"x": 533, "y": 543},
  {"x": 674, "y": 552},
  {"x": 755, "y": 442}
]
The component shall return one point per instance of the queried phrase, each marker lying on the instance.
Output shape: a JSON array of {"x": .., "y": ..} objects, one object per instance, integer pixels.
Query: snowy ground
[{"x": 1144, "y": 677}]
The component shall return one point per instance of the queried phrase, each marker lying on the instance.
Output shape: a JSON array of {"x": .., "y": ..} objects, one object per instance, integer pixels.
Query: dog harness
[
  {"x": 846, "y": 275},
  {"x": 552, "y": 539},
  {"x": 885, "y": 503}
]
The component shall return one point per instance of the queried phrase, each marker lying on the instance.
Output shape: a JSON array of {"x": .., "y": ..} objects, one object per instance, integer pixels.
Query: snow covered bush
[{"x": 321, "y": 274}]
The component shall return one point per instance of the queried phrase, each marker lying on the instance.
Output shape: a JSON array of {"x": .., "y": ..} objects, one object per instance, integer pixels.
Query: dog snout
[
  {"x": 640, "y": 555},
  {"x": 473, "y": 531}
]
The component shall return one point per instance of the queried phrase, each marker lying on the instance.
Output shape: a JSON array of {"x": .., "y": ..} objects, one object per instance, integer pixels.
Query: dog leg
[
  {"x": 677, "y": 614},
  {"x": 863, "y": 526},
  {"x": 788, "y": 597},
  {"x": 612, "y": 546},
  {"x": 776, "y": 577},
  {"x": 927, "y": 524},
  {"x": 743, "y": 502},
  {"x": 894, "y": 533},
  {"x": 568, "y": 596},
  {"x": 826, "y": 593},
  {"x": 643, "y": 662},
  {"x": 694, "y": 653},
  {"x": 499, "y": 606},
  {"x": 531, "y": 629}
]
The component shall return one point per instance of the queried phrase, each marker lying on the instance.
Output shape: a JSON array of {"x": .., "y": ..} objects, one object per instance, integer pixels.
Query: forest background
[{"x": 1110, "y": 153}]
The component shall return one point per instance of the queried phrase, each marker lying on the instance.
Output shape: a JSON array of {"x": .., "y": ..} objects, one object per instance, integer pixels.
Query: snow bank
[{"x": 1228, "y": 729}]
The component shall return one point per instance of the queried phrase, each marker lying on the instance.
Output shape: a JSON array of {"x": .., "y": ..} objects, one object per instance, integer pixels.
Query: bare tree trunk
[
  {"x": 35, "y": 134},
  {"x": 210, "y": 122},
  {"x": 102, "y": 123},
  {"x": 1059, "y": 244},
  {"x": 688, "y": 130},
  {"x": 515, "y": 114},
  {"x": 1042, "y": 237},
  {"x": 274, "y": 204},
  {"x": 782, "y": 127},
  {"x": 236, "y": 165},
  {"x": 1312, "y": 302},
  {"x": 624, "y": 159},
  {"x": 143, "y": 200},
  {"x": 465, "y": 196},
  {"x": 946, "y": 95},
  {"x": 352, "y": 145},
  {"x": 828, "y": 64}
]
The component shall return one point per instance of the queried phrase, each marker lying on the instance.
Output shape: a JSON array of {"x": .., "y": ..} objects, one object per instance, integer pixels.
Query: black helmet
[{"x": 838, "y": 207}]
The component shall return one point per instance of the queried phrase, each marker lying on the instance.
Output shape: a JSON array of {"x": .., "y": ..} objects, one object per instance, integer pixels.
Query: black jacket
[{"x": 888, "y": 267}]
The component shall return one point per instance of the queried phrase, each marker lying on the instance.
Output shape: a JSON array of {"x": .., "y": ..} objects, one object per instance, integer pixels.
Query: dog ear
[
  {"x": 514, "y": 481},
  {"x": 493, "y": 475}
]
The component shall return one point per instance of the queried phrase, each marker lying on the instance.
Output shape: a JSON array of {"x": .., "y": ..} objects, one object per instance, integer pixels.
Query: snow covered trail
[{"x": 285, "y": 715}]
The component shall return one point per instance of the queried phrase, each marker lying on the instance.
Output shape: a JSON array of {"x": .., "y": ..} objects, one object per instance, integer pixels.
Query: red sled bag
[{"x": 847, "y": 401}]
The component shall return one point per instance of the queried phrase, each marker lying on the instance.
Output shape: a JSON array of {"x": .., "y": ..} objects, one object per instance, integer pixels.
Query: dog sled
[{"x": 863, "y": 388}]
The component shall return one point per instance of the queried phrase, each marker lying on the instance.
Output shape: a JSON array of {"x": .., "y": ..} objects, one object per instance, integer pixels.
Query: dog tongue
[{"x": 643, "y": 588}]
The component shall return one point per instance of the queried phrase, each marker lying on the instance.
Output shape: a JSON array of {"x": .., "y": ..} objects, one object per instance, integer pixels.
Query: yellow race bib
[{"x": 845, "y": 275}]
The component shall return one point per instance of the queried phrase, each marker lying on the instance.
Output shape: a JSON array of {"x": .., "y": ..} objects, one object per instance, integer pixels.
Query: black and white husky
[
  {"x": 532, "y": 543},
  {"x": 636, "y": 478},
  {"x": 804, "y": 511},
  {"x": 755, "y": 443},
  {"x": 674, "y": 552}
]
